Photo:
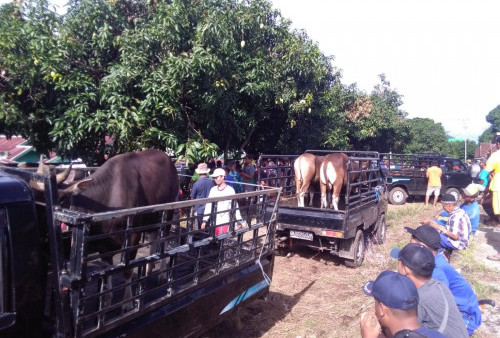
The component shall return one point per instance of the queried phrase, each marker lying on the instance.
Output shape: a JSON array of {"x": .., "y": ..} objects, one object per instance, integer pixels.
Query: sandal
[{"x": 494, "y": 257}]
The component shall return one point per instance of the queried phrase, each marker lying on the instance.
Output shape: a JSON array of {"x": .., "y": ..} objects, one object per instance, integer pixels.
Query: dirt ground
[{"x": 314, "y": 295}]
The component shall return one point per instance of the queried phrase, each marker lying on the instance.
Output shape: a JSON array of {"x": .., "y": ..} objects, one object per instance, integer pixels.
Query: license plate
[{"x": 308, "y": 236}]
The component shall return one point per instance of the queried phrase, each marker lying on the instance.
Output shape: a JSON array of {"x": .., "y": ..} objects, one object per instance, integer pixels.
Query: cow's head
[{"x": 71, "y": 187}]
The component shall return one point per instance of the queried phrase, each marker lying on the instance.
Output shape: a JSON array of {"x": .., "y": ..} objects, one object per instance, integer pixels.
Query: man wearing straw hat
[{"x": 201, "y": 189}]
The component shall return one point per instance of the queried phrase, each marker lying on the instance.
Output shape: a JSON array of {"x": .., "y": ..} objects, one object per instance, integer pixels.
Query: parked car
[{"x": 405, "y": 175}]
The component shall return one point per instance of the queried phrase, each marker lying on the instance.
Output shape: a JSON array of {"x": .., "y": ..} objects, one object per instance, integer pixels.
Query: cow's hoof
[{"x": 127, "y": 307}]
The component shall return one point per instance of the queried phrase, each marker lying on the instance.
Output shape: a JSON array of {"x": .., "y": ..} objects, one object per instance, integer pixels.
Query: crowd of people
[
  {"x": 427, "y": 297},
  {"x": 215, "y": 179}
]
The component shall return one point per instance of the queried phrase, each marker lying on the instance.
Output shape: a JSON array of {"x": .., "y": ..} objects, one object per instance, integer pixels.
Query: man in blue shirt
[
  {"x": 201, "y": 189},
  {"x": 484, "y": 175},
  {"x": 471, "y": 206},
  {"x": 462, "y": 292}
]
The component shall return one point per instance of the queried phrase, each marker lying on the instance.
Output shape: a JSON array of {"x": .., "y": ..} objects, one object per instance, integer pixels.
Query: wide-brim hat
[
  {"x": 202, "y": 169},
  {"x": 471, "y": 190}
]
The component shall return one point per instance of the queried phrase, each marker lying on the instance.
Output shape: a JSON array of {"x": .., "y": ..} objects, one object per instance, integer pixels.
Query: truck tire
[
  {"x": 455, "y": 192},
  {"x": 358, "y": 250},
  {"x": 379, "y": 235},
  {"x": 398, "y": 196}
]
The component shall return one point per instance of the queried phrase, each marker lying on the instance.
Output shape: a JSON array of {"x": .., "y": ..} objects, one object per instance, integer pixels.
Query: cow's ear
[
  {"x": 75, "y": 188},
  {"x": 81, "y": 185}
]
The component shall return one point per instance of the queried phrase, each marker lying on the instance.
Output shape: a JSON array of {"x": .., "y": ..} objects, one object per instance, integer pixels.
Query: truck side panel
[
  {"x": 190, "y": 278},
  {"x": 22, "y": 285}
]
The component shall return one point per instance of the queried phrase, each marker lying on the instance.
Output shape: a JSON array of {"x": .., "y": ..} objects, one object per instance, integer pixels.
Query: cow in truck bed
[
  {"x": 306, "y": 168},
  {"x": 125, "y": 181}
]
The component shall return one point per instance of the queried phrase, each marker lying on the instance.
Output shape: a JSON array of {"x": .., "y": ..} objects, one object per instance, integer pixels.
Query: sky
[{"x": 443, "y": 57}]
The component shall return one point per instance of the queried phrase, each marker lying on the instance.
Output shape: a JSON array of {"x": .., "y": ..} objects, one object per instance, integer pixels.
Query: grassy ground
[{"x": 314, "y": 295}]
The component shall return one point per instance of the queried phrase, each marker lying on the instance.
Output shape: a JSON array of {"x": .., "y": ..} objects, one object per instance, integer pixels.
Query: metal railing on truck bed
[
  {"x": 363, "y": 179},
  {"x": 410, "y": 165},
  {"x": 173, "y": 264}
]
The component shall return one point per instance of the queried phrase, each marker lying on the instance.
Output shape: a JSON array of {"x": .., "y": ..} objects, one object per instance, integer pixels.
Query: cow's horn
[
  {"x": 36, "y": 184},
  {"x": 61, "y": 177},
  {"x": 44, "y": 169}
]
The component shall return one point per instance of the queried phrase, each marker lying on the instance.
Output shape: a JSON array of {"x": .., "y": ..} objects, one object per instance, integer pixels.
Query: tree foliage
[
  {"x": 427, "y": 136},
  {"x": 194, "y": 77}
]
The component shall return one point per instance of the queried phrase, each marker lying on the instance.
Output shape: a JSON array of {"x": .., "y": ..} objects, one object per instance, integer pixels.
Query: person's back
[
  {"x": 434, "y": 175},
  {"x": 462, "y": 292},
  {"x": 475, "y": 169},
  {"x": 437, "y": 310},
  {"x": 201, "y": 189}
]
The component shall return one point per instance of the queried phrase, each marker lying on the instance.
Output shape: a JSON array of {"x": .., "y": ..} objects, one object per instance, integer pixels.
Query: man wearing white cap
[
  {"x": 471, "y": 207},
  {"x": 223, "y": 208}
]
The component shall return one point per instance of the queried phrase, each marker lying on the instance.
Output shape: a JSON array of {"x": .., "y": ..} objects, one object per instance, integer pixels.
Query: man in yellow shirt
[
  {"x": 433, "y": 174},
  {"x": 493, "y": 167}
]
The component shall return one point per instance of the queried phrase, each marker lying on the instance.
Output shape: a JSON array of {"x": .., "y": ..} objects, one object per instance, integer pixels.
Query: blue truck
[{"x": 185, "y": 280}]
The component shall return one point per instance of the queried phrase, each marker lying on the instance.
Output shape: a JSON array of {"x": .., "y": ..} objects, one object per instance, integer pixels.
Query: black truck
[
  {"x": 405, "y": 175},
  {"x": 52, "y": 285},
  {"x": 345, "y": 233}
]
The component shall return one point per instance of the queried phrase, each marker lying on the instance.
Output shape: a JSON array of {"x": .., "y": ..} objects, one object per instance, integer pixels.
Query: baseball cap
[
  {"x": 448, "y": 198},
  {"x": 417, "y": 257},
  {"x": 427, "y": 235},
  {"x": 219, "y": 172},
  {"x": 471, "y": 190},
  {"x": 394, "y": 290}
]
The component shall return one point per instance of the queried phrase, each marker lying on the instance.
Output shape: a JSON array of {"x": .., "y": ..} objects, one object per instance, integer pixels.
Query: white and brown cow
[
  {"x": 333, "y": 175},
  {"x": 306, "y": 168}
]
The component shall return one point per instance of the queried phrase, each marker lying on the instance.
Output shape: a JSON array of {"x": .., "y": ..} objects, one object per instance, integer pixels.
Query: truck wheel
[
  {"x": 397, "y": 196},
  {"x": 380, "y": 230},
  {"x": 358, "y": 250},
  {"x": 454, "y": 191}
]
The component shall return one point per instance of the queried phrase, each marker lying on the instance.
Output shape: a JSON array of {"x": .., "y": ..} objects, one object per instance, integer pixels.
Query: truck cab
[{"x": 405, "y": 175}]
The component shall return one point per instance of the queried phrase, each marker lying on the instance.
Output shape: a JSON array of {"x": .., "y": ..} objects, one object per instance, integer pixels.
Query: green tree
[
  {"x": 493, "y": 118},
  {"x": 426, "y": 136},
  {"x": 196, "y": 76},
  {"x": 375, "y": 121}
]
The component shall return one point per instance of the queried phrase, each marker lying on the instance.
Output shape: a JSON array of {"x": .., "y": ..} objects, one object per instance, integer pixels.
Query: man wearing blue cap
[
  {"x": 436, "y": 308},
  {"x": 462, "y": 292},
  {"x": 396, "y": 302}
]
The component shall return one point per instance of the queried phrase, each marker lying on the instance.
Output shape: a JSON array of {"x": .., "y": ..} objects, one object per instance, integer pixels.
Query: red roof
[{"x": 13, "y": 146}]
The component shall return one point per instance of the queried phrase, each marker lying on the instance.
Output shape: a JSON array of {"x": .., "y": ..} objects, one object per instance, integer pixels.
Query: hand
[
  {"x": 203, "y": 224},
  {"x": 369, "y": 325}
]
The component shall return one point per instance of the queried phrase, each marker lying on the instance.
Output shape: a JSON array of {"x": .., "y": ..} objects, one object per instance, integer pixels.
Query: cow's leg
[
  {"x": 303, "y": 191},
  {"x": 311, "y": 195},
  {"x": 331, "y": 177},
  {"x": 108, "y": 298},
  {"x": 299, "y": 191},
  {"x": 128, "y": 306},
  {"x": 335, "y": 197}
]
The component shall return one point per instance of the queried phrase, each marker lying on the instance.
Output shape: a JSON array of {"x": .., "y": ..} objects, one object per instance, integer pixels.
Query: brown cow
[
  {"x": 128, "y": 180},
  {"x": 333, "y": 175},
  {"x": 306, "y": 168}
]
